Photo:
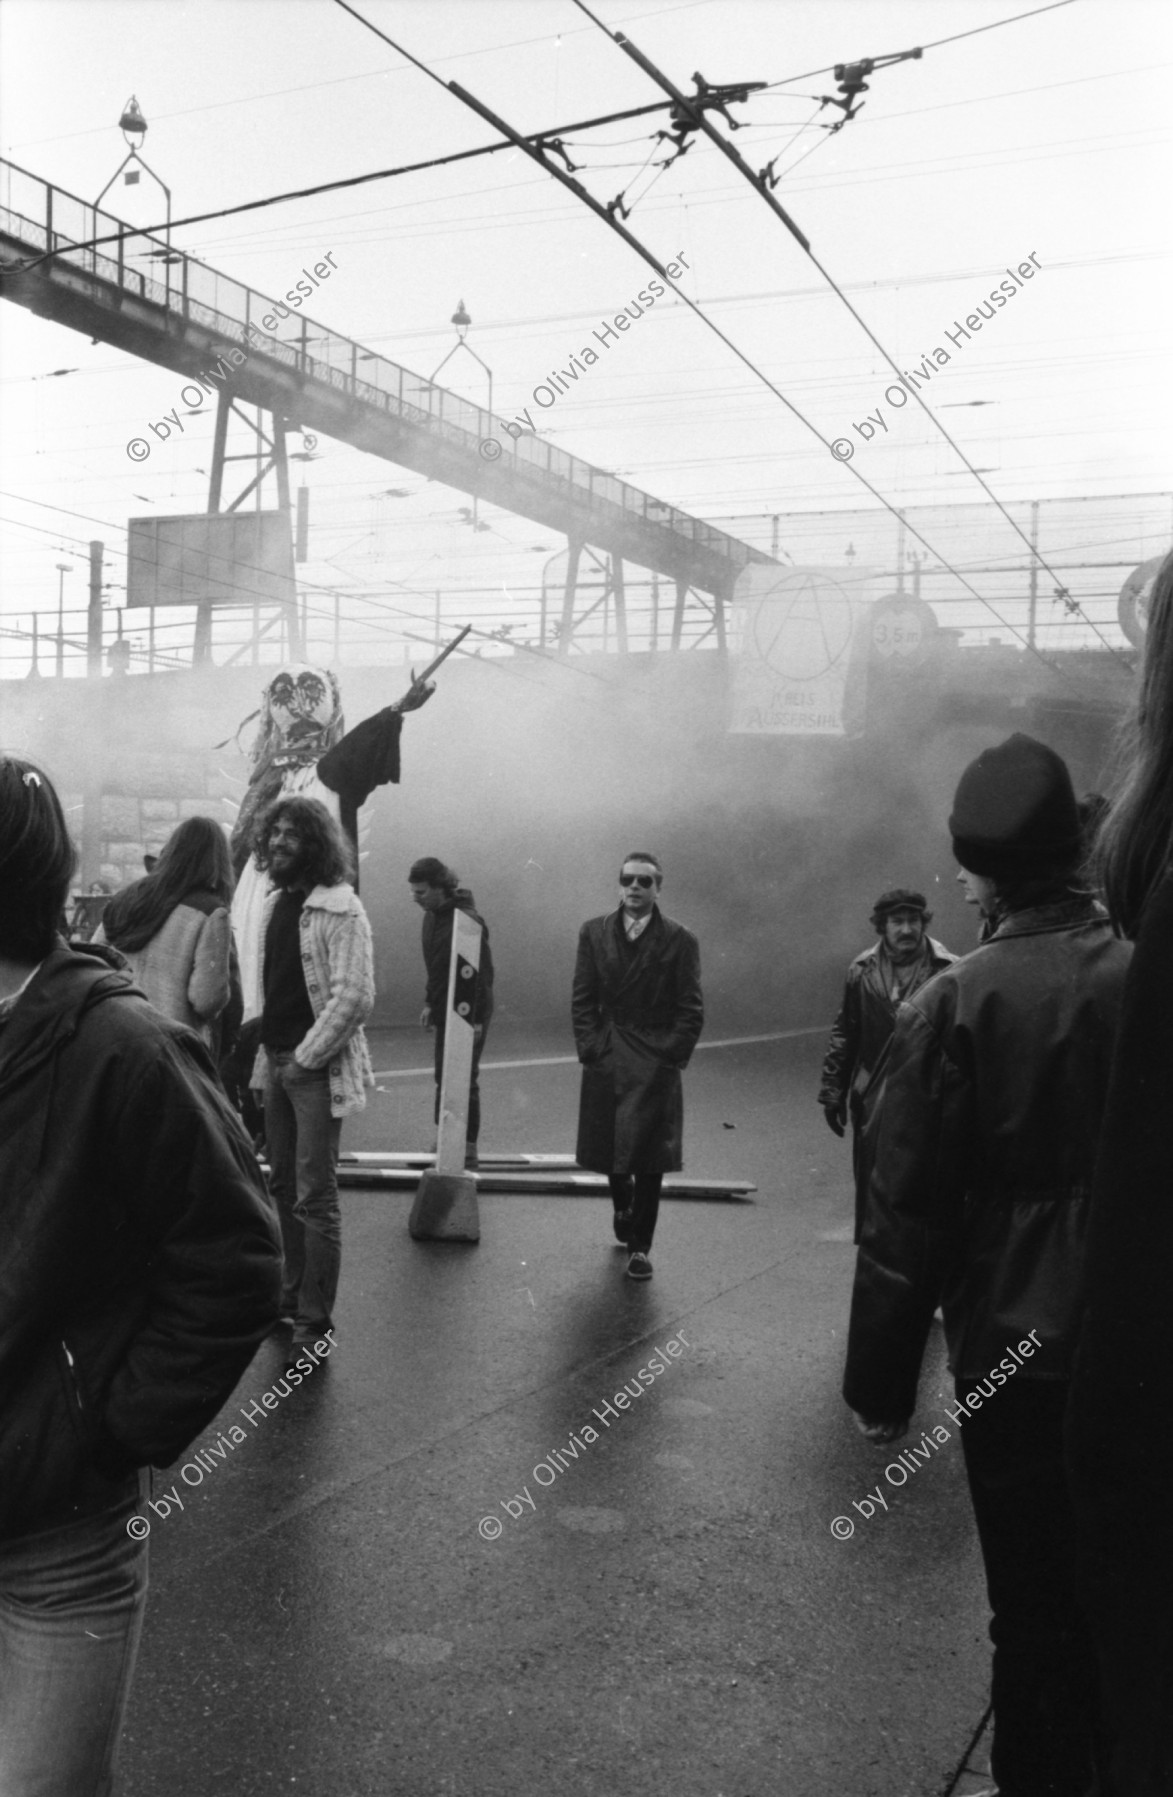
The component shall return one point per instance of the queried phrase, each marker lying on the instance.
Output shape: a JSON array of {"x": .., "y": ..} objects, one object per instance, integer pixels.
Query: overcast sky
[{"x": 1047, "y": 138}]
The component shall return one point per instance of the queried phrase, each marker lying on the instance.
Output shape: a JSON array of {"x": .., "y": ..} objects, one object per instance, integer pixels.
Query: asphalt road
[{"x": 391, "y": 1588}]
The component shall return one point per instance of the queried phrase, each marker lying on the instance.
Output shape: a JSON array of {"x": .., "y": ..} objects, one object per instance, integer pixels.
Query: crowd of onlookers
[{"x": 1014, "y": 1174}]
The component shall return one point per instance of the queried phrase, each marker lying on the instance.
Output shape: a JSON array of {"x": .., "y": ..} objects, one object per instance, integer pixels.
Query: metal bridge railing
[{"x": 41, "y": 217}]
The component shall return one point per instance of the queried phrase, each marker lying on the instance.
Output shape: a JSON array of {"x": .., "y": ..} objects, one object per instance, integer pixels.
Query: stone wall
[{"x": 145, "y": 797}]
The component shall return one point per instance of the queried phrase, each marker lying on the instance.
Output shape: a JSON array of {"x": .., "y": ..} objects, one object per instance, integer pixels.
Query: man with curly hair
[
  {"x": 317, "y": 987},
  {"x": 304, "y": 750}
]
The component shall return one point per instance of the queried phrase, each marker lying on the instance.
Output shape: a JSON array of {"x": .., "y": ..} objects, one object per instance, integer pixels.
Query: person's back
[
  {"x": 141, "y": 1270},
  {"x": 1031, "y": 1018},
  {"x": 982, "y": 1162},
  {"x": 185, "y": 967},
  {"x": 84, "y": 1064},
  {"x": 1019, "y": 1036},
  {"x": 1121, "y": 1373},
  {"x": 173, "y": 927}
]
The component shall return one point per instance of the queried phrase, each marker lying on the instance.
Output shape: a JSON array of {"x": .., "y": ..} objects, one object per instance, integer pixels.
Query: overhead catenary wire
[
  {"x": 994, "y": 25},
  {"x": 791, "y": 389},
  {"x": 304, "y": 193},
  {"x": 410, "y": 168},
  {"x": 759, "y": 184},
  {"x": 537, "y": 153}
]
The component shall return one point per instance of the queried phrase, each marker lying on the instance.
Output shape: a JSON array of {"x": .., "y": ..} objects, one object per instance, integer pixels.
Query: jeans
[
  {"x": 1047, "y": 1740},
  {"x": 71, "y": 1611},
  {"x": 302, "y": 1139},
  {"x": 638, "y": 1193}
]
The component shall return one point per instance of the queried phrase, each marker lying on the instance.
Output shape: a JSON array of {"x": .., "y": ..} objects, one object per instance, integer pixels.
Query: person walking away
[
  {"x": 878, "y": 982},
  {"x": 173, "y": 928},
  {"x": 437, "y": 891},
  {"x": 986, "y": 1137},
  {"x": 318, "y": 988},
  {"x": 141, "y": 1270},
  {"x": 1119, "y": 1452},
  {"x": 637, "y": 1011}
]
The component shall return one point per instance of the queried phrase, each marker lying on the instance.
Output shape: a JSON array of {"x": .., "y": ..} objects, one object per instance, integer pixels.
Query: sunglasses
[{"x": 647, "y": 881}]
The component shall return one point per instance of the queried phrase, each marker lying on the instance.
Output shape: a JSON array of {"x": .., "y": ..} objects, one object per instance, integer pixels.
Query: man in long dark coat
[{"x": 638, "y": 1012}]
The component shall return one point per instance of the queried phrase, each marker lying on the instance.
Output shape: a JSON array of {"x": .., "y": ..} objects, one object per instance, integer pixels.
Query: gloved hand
[
  {"x": 417, "y": 694},
  {"x": 836, "y": 1121}
]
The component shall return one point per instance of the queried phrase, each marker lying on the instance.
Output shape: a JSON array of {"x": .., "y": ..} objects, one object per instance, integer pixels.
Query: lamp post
[
  {"x": 461, "y": 319},
  {"x": 63, "y": 568},
  {"x": 133, "y": 126}
]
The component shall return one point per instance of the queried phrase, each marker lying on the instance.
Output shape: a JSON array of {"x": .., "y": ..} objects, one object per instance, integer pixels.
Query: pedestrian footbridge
[{"x": 157, "y": 303}]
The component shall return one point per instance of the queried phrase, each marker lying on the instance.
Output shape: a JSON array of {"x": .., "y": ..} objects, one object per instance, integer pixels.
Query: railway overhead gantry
[{"x": 205, "y": 326}]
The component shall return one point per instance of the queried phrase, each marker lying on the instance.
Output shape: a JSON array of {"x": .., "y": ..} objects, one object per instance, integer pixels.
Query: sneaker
[
  {"x": 639, "y": 1267},
  {"x": 622, "y": 1226}
]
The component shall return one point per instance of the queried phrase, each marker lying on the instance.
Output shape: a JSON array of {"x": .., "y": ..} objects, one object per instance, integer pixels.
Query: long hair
[
  {"x": 1056, "y": 885},
  {"x": 328, "y": 856},
  {"x": 1135, "y": 844},
  {"x": 193, "y": 859},
  {"x": 37, "y": 860}
]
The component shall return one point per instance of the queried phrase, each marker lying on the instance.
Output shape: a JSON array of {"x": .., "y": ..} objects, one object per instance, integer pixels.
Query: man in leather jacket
[
  {"x": 982, "y": 1151},
  {"x": 878, "y": 982},
  {"x": 141, "y": 1268}
]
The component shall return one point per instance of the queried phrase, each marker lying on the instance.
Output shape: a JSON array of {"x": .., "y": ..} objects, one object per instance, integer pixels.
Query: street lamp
[
  {"x": 63, "y": 568},
  {"x": 133, "y": 126},
  {"x": 461, "y": 319}
]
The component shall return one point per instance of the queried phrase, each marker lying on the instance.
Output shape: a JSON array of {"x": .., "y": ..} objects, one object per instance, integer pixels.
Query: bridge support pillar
[
  {"x": 721, "y": 598},
  {"x": 620, "y": 603},
  {"x": 270, "y": 457},
  {"x": 678, "y": 613},
  {"x": 566, "y": 628}
]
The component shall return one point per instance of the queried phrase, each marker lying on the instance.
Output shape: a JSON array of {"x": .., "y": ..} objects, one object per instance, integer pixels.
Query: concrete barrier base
[{"x": 445, "y": 1209}]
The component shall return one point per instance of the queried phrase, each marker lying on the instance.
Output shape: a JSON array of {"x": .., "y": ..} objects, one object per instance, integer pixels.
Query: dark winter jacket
[
  {"x": 637, "y": 1015},
  {"x": 1120, "y": 1447},
  {"x": 437, "y": 944},
  {"x": 140, "y": 1259},
  {"x": 984, "y": 1144},
  {"x": 859, "y": 1034}
]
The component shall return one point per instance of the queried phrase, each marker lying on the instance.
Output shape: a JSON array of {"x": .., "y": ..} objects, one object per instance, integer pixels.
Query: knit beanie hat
[{"x": 1014, "y": 811}]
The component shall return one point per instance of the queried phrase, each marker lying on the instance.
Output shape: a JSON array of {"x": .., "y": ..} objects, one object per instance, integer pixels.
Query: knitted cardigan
[
  {"x": 337, "y": 959},
  {"x": 185, "y": 968}
]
